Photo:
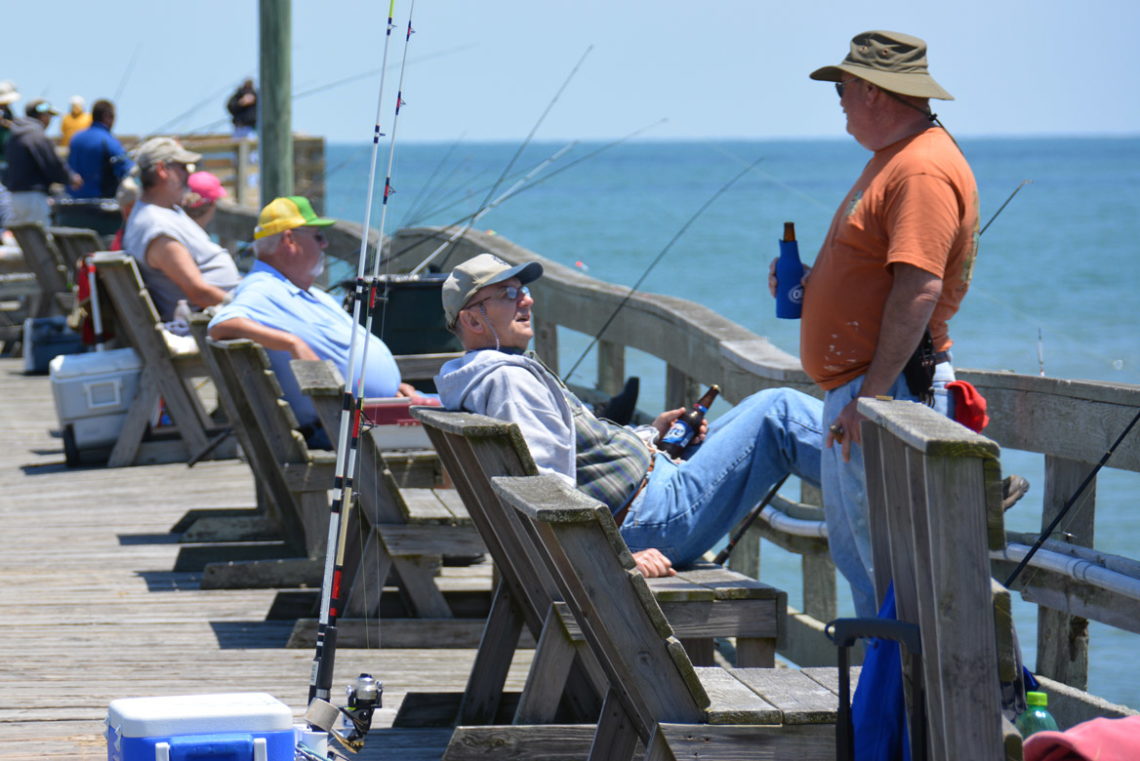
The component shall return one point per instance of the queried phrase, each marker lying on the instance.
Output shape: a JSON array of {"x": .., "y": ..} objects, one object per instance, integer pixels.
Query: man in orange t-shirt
[{"x": 896, "y": 261}]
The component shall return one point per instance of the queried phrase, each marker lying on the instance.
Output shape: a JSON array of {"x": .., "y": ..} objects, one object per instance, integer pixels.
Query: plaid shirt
[{"x": 611, "y": 460}]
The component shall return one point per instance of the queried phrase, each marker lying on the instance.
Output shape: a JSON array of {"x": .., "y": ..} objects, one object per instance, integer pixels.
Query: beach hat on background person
[
  {"x": 163, "y": 149},
  {"x": 8, "y": 93},
  {"x": 77, "y": 103},
  {"x": 207, "y": 187},
  {"x": 287, "y": 213},
  {"x": 890, "y": 60},
  {"x": 479, "y": 272},
  {"x": 39, "y": 107}
]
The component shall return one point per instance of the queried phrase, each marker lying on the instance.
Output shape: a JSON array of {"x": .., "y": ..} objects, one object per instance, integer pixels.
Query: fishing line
[
  {"x": 332, "y": 595},
  {"x": 510, "y": 191},
  {"x": 414, "y": 205},
  {"x": 127, "y": 73},
  {"x": 399, "y": 254},
  {"x": 526, "y": 141},
  {"x": 633, "y": 289}
]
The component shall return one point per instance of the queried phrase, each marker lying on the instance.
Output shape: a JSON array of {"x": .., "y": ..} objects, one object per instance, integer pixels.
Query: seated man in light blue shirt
[{"x": 277, "y": 306}]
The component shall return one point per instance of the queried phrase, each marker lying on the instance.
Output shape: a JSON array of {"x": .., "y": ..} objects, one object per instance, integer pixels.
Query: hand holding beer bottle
[{"x": 685, "y": 428}]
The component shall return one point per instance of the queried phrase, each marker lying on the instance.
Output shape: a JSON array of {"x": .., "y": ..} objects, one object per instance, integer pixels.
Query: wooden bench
[
  {"x": 656, "y": 696},
  {"x": 934, "y": 491},
  {"x": 167, "y": 375},
  {"x": 703, "y": 602}
]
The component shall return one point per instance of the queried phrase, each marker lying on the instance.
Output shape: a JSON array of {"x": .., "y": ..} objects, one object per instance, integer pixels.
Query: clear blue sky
[{"x": 487, "y": 70}]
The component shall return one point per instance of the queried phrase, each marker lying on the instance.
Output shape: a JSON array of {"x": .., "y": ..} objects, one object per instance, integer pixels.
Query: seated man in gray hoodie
[{"x": 668, "y": 511}]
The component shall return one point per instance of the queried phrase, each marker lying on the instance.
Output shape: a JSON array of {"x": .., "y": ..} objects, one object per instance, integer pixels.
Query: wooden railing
[{"x": 235, "y": 162}]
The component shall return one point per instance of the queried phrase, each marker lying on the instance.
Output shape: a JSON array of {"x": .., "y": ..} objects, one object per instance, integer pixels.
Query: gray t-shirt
[{"x": 148, "y": 222}]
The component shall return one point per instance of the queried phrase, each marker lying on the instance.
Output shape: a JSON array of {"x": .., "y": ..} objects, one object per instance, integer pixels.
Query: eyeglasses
[
  {"x": 841, "y": 86},
  {"x": 188, "y": 168},
  {"x": 318, "y": 236},
  {"x": 510, "y": 293}
]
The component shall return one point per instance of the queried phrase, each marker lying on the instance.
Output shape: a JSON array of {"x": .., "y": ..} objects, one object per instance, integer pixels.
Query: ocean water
[{"x": 1054, "y": 289}]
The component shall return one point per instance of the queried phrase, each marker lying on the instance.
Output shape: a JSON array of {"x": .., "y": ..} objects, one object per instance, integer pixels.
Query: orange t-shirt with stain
[{"x": 916, "y": 203}]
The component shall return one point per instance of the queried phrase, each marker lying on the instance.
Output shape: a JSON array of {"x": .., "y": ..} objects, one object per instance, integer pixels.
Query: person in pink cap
[{"x": 203, "y": 190}]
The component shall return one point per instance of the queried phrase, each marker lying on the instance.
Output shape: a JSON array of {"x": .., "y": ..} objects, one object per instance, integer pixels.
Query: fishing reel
[{"x": 363, "y": 698}]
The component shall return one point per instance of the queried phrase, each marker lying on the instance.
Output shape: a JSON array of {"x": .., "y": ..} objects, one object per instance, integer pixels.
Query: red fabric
[
  {"x": 1096, "y": 740},
  {"x": 969, "y": 405}
]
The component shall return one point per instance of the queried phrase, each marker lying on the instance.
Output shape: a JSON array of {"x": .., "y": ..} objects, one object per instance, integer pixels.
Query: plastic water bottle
[
  {"x": 1035, "y": 718},
  {"x": 789, "y": 276},
  {"x": 180, "y": 325}
]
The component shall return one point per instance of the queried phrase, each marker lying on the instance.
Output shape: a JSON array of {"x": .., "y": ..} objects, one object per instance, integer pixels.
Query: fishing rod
[
  {"x": 529, "y": 137},
  {"x": 748, "y": 521},
  {"x": 1002, "y": 207},
  {"x": 1069, "y": 504},
  {"x": 633, "y": 289},
  {"x": 332, "y": 593}
]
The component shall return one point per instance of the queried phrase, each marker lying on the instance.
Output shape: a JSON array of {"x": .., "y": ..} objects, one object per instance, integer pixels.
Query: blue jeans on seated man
[
  {"x": 845, "y": 490},
  {"x": 686, "y": 507}
]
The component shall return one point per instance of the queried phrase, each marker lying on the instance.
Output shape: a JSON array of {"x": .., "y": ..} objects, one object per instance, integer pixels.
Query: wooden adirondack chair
[
  {"x": 411, "y": 529},
  {"x": 703, "y": 603},
  {"x": 167, "y": 375},
  {"x": 51, "y": 271},
  {"x": 656, "y": 696}
]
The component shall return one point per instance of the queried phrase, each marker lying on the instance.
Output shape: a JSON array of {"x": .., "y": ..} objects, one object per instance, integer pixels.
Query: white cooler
[
  {"x": 92, "y": 394},
  {"x": 235, "y": 726}
]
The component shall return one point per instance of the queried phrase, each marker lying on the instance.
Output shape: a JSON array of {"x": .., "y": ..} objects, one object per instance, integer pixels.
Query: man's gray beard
[{"x": 318, "y": 268}]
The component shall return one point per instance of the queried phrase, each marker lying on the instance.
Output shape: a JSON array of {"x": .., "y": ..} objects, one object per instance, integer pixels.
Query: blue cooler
[{"x": 240, "y": 726}]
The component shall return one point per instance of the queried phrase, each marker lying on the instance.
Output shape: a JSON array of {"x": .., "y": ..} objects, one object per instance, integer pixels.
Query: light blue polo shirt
[{"x": 268, "y": 297}]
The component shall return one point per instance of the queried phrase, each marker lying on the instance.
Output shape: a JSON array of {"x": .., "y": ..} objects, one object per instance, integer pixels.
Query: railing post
[
  {"x": 820, "y": 595},
  {"x": 611, "y": 366},
  {"x": 1063, "y": 640},
  {"x": 546, "y": 342},
  {"x": 680, "y": 389}
]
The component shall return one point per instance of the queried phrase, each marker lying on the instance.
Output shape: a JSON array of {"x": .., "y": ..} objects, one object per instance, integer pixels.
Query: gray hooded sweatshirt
[{"x": 518, "y": 388}]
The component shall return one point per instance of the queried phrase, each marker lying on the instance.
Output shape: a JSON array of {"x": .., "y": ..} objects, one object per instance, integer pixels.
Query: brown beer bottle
[{"x": 674, "y": 441}]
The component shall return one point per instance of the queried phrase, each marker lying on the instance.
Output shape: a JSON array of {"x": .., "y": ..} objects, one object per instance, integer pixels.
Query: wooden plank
[
  {"x": 971, "y": 706},
  {"x": 807, "y": 742},
  {"x": 798, "y": 698}
]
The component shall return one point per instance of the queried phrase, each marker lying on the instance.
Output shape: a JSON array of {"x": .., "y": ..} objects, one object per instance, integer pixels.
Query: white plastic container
[
  {"x": 93, "y": 392},
  {"x": 239, "y": 726}
]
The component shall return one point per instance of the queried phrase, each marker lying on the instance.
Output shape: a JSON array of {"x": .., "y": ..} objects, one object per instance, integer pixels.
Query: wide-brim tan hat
[{"x": 890, "y": 60}]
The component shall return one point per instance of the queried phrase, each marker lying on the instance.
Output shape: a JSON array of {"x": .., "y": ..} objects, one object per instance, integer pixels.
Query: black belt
[{"x": 941, "y": 356}]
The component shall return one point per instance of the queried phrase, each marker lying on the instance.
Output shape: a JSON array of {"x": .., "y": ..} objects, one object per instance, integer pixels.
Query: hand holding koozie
[{"x": 789, "y": 276}]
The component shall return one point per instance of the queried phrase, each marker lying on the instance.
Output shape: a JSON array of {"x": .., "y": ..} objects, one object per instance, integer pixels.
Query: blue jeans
[
  {"x": 845, "y": 490},
  {"x": 686, "y": 507}
]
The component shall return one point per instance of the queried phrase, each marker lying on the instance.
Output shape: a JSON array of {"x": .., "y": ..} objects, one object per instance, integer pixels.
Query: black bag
[{"x": 919, "y": 370}]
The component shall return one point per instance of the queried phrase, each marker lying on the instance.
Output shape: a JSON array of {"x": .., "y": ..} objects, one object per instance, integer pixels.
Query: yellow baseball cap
[{"x": 287, "y": 213}]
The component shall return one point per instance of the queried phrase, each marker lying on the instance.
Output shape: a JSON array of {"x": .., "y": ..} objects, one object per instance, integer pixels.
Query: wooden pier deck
[{"x": 90, "y": 610}]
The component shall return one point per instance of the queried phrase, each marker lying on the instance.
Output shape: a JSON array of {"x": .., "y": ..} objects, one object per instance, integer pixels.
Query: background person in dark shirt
[
  {"x": 33, "y": 165},
  {"x": 242, "y": 106}
]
